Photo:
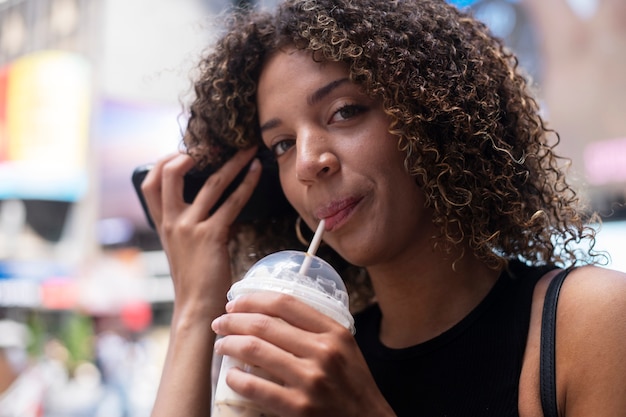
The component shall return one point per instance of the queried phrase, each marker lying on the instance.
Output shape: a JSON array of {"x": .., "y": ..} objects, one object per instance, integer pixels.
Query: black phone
[{"x": 267, "y": 201}]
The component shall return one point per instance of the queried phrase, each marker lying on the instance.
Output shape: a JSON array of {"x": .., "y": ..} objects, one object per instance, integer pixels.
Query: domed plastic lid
[{"x": 319, "y": 285}]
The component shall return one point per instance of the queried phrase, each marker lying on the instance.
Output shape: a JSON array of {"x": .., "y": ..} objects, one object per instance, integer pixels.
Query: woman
[{"x": 412, "y": 133}]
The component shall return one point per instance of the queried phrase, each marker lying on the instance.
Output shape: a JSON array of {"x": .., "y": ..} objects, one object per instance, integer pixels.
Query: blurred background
[{"x": 91, "y": 89}]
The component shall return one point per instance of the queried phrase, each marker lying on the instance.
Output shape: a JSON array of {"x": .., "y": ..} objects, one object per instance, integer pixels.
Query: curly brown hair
[{"x": 462, "y": 110}]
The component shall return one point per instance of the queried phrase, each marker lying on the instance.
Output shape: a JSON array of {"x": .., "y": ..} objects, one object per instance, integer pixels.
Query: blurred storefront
[
  {"x": 91, "y": 89},
  {"x": 85, "y": 97}
]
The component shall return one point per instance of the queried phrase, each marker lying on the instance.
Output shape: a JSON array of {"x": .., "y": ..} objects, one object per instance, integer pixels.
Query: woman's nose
[{"x": 315, "y": 158}]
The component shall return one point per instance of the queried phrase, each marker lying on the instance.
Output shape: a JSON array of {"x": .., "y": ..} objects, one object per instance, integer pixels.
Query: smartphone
[{"x": 267, "y": 201}]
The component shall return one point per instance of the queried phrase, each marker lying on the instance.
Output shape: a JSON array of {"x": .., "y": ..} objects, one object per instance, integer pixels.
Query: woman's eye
[
  {"x": 282, "y": 146},
  {"x": 348, "y": 111}
]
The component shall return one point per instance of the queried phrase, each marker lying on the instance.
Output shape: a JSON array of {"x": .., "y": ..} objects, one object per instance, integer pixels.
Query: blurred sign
[
  {"x": 59, "y": 294},
  {"x": 45, "y": 109},
  {"x": 19, "y": 293},
  {"x": 126, "y": 135},
  {"x": 3, "y": 109},
  {"x": 605, "y": 161},
  {"x": 462, "y": 3},
  {"x": 21, "y": 282}
]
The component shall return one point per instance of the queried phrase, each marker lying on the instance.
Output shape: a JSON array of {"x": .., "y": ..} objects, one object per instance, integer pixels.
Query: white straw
[{"x": 315, "y": 243}]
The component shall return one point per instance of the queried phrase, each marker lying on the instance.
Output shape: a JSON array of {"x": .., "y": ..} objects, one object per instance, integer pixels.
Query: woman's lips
[{"x": 337, "y": 212}]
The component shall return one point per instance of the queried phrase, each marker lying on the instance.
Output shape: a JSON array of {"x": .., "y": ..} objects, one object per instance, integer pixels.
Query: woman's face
[{"x": 337, "y": 160}]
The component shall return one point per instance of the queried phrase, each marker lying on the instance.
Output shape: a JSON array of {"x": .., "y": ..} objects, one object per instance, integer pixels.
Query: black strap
[{"x": 547, "y": 360}]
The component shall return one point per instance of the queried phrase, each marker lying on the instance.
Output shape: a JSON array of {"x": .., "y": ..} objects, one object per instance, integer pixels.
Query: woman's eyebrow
[
  {"x": 270, "y": 124},
  {"x": 314, "y": 98},
  {"x": 322, "y": 92}
]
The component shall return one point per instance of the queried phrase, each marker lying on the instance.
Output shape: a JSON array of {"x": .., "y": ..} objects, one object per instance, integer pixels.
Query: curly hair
[{"x": 462, "y": 110}]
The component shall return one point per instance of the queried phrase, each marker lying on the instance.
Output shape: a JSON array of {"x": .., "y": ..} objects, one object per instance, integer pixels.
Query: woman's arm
[
  {"x": 591, "y": 344},
  {"x": 196, "y": 245}
]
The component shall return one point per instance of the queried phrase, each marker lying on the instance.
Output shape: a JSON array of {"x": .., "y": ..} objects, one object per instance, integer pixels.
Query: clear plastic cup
[{"x": 317, "y": 284}]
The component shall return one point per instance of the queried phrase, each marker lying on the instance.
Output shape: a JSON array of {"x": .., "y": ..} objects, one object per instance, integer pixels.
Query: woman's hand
[
  {"x": 196, "y": 245},
  {"x": 320, "y": 368}
]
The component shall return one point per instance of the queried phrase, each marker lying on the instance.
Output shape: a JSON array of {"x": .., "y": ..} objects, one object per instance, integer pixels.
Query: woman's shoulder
[
  {"x": 586, "y": 289},
  {"x": 591, "y": 294},
  {"x": 592, "y": 306},
  {"x": 591, "y": 342}
]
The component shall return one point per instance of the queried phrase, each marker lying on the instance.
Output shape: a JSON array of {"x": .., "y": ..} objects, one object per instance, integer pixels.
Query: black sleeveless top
[{"x": 473, "y": 369}]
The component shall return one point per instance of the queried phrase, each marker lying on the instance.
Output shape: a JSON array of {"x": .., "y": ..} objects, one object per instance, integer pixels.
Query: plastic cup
[{"x": 318, "y": 285}]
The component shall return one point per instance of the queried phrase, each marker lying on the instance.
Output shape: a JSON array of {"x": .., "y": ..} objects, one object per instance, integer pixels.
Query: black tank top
[{"x": 473, "y": 369}]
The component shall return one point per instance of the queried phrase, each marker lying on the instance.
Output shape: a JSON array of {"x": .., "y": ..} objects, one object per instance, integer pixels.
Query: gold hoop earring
[
  {"x": 299, "y": 235},
  {"x": 306, "y": 242}
]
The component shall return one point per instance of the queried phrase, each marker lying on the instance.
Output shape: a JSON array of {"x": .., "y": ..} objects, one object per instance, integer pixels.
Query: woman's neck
[{"x": 424, "y": 296}]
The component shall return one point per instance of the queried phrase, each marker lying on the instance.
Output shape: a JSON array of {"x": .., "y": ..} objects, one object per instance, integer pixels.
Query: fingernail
[
  {"x": 255, "y": 165},
  {"x": 215, "y": 324},
  {"x": 217, "y": 347},
  {"x": 230, "y": 306}
]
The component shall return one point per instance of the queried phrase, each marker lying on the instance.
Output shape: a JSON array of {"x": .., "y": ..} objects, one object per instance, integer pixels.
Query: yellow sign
[{"x": 46, "y": 126}]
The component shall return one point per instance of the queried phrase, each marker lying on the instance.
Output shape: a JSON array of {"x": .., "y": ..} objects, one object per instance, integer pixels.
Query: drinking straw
[{"x": 315, "y": 243}]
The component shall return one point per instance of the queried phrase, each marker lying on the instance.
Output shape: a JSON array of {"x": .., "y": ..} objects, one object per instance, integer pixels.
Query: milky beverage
[{"x": 303, "y": 275}]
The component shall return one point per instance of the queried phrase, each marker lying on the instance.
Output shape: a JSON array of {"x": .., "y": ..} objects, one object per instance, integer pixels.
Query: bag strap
[{"x": 547, "y": 360}]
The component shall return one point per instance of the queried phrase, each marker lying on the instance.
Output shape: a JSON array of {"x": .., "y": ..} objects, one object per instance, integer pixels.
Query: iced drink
[{"x": 300, "y": 274}]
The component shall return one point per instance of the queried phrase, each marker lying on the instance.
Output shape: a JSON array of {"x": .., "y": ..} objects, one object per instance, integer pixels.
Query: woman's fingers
[
  {"x": 217, "y": 183},
  {"x": 282, "y": 321},
  {"x": 163, "y": 190},
  {"x": 172, "y": 175},
  {"x": 266, "y": 328},
  {"x": 290, "y": 309},
  {"x": 313, "y": 365},
  {"x": 266, "y": 393},
  {"x": 257, "y": 352},
  {"x": 152, "y": 188}
]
